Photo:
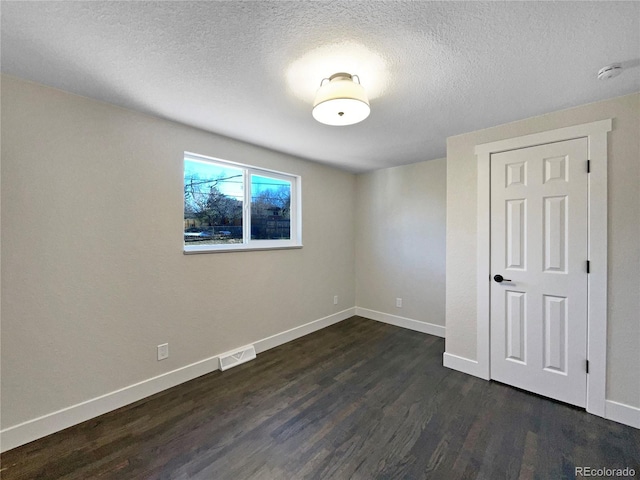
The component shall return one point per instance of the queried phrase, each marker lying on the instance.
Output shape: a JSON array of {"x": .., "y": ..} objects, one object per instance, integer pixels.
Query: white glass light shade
[{"x": 341, "y": 101}]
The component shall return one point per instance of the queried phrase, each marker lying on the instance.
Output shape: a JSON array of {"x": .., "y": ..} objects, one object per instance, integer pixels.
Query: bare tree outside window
[
  {"x": 213, "y": 202},
  {"x": 230, "y": 207},
  {"x": 270, "y": 208}
]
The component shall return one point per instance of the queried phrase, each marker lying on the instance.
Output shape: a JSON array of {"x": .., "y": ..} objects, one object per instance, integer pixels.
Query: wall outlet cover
[{"x": 163, "y": 351}]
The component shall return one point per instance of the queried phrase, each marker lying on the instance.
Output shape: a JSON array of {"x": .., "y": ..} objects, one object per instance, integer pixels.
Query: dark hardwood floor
[{"x": 358, "y": 400}]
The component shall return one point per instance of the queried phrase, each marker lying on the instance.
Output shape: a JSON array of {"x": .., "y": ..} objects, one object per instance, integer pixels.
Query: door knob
[{"x": 499, "y": 278}]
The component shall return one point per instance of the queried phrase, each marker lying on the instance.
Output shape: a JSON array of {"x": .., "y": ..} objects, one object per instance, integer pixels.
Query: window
[{"x": 229, "y": 206}]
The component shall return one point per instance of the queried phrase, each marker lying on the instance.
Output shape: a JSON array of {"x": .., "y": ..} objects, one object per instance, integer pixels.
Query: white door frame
[{"x": 596, "y": 134}]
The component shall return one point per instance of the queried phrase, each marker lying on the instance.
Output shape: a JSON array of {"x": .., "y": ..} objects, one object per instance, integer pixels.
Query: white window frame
[{"x": 248, "y": 244}]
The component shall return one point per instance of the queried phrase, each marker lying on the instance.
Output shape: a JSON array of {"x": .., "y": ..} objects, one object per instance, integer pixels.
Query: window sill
[{"x": 193, "y": 250}]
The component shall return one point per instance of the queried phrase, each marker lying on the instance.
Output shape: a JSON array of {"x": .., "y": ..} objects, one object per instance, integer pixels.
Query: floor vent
[{"x": 236, "y": 357}]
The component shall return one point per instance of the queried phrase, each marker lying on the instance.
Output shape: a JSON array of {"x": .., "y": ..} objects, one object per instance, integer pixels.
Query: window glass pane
[
  {"x": 213, "y": 196},
  {"x": 270, "y": 208}
]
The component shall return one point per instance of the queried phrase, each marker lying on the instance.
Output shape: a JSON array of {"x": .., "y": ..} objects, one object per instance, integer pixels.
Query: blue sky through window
[{"x": 227, "y": 179}]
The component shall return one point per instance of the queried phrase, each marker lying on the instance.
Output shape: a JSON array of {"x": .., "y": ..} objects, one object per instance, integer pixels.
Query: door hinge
[
  {"x": 586, "y": 365},
  {"x": 588, "y": 266},
  {"x": 588, "y": 166}
]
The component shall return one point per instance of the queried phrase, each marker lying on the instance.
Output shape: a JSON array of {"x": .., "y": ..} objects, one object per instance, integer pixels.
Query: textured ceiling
[{"x": 249, "y": 70}]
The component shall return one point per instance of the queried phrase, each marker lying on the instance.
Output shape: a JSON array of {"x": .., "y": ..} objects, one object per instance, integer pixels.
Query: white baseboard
[
  {"x": 418, "y": 326},
  {"x": 621, "y": 413},
  {"x": 54, "y": 422},
  {"x": 464, "y": 365},
  {"x": 618, "y": 412},
  {"x": 302, "y": 330}
]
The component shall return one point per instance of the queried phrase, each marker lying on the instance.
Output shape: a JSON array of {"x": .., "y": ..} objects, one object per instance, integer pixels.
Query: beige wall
[
  {"x": 93, "y": 274},
  {"x": 400, "y": 241},
  {"x": 623, "y": 356}
]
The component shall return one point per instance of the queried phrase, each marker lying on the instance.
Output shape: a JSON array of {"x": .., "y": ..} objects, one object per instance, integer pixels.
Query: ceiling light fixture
[{"x": 341, "y": 101}]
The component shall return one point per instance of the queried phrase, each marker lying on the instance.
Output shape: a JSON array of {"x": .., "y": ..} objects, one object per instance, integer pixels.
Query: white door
[{"x": 539, "y": 246}]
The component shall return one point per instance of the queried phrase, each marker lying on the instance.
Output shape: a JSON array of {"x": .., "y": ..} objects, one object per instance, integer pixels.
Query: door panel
[
  {"x": 555, "y": 333},
  {"x": 539, "y": 245},
  {"x": 555, "y": 234},
  {"x": 516, "y": 233},
  {"x": 516, "y": 325}
]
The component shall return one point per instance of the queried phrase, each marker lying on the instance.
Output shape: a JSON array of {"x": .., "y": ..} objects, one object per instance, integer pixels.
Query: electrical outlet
[
  {"x": 399, "y": 302},
  {"x": 335, "y": 299},
  {"x": 163, "y": 351}
]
